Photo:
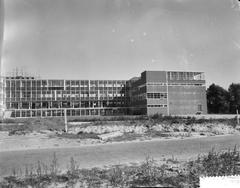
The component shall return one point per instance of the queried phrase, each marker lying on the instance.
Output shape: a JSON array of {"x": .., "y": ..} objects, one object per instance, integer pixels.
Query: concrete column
[
  {"x": 168, "y": 111},
  {"x": 65, "y": 120}
]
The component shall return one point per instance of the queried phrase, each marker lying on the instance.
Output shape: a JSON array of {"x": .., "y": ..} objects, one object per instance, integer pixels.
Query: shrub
[
  {"x": 216, "y": 164},
  {"x": 73, "y": 169},
  {"x": 117, "y": 176},
  {"x": 148, "y": 173}
]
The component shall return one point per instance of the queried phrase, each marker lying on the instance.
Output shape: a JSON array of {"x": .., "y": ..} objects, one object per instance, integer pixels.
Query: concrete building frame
[{"x": 162, "y": 92}]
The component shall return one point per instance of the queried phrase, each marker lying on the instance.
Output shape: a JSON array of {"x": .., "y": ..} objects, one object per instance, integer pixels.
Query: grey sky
[
  {"x": 1, "y": 29},
  {"x": 118, "y": 39}
]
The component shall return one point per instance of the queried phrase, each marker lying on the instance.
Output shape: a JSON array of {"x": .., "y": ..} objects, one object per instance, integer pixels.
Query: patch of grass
[
  {"x": 80, "y": 135},
  {"x": 35, "y": 124},
  {"x": 19, "y": 129},
  {"x": 46, "y": 124},
  {"x": 7, "y": 121},
  {"x": 159, "y": 118},
  {"x": 155, "y": 134},
  {"x": 109, "y": 118},
  {"x": 126, "y": 137}
]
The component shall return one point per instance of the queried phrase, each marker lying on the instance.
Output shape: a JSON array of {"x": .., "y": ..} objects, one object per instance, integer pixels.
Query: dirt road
[{"x": 117, "y": 153}]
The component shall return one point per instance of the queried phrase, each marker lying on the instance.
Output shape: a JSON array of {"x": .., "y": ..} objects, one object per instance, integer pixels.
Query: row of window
[
  {"x": 64, "y": 104},
  {"x": 143, "y": 96},
  {"x": 165, "y": 84},
  {"x": 8, "y": 93},
  {"x": 157, "y": 106},
  {"x": 185, "y": 76},
  {"x": 156, "y": 84},
  {"x": 185, "y": 84},
  {"x": 60, "y": 83},
  {"x": 62, "y": 88},
  {"x": 156, "y": 95},
  {"x": 80, "y": 112},
  {"x": 65, "y": 95},
  {"x": 86, "y": 87},
  {"x": 64, "y": 98},
  {"x": 76, "y": 93}
]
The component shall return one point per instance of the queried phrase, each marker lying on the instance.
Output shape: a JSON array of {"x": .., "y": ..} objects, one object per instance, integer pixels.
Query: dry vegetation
[
  {"x": 149, "y": 173},
  {"x": 29, "y": 125},
  {"x": 128, "y": 128},
  {"x": 158, "y": 127}
]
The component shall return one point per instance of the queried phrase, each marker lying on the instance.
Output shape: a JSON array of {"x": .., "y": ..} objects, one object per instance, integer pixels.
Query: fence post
[
  {"x": 65, "y": 120},
  {"x": 237, "y": 117}
]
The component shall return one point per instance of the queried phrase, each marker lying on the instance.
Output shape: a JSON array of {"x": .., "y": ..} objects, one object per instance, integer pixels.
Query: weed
[
  {"x": 74, "y": 168},
  {"x": 39, "y": 169},
  {"x": 148, "y": 173},
  {"x": 54, "y": 166},
  {"x": 116, "y": 176}
]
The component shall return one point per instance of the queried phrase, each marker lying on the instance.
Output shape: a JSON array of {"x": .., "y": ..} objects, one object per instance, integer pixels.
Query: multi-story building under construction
[{"x": 162, "y": 92}]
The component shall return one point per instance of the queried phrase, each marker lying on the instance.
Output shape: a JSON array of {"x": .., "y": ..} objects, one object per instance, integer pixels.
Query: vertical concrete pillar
[
  {"x": 65, "y": 119},
  {"x": 237, "y": 117},
  {"x": 55, "y": 95},
  {"x": 168, "y": 111},
  {"x": 89, "y": 103}
]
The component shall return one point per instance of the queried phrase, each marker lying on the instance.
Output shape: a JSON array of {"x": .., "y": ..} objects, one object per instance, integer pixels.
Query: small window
[{"x": 199, "y": 107}]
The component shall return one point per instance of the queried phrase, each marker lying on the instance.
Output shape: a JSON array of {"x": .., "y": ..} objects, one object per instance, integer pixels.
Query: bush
[{"x": 216, "y": 164}]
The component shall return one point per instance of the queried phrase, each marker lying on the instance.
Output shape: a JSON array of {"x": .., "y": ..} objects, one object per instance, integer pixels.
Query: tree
[
  {"x": 217, "y": 100},
  {"x": 234, "y": 97}
]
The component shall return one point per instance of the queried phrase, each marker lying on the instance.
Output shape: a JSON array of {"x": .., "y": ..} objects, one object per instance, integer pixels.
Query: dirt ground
[
  {"x": 118, "y": 153},
  {"x": 85, "y": 134}
]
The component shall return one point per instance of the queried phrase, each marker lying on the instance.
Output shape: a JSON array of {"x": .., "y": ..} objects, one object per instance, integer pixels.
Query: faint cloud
[
  {"x": 237, "y": 45},
  {"x": 132, "y": 40},
  {"x": 185, "y": 59},
  {"x": 155, "y": 60},
  {"x": 10, "y": 31}
]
